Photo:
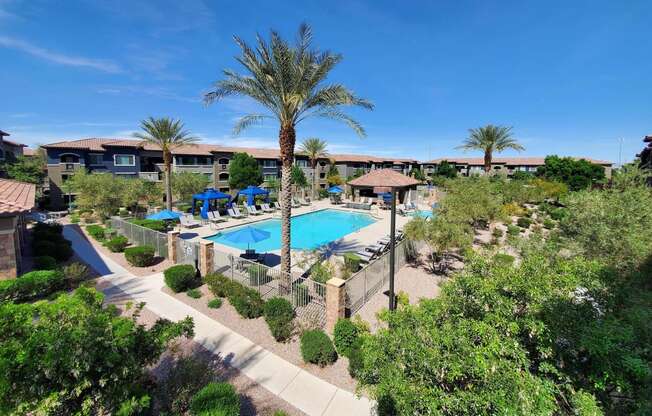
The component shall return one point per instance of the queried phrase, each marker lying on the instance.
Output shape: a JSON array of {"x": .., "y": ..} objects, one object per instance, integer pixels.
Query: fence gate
[{"x": 187, "y": 251}]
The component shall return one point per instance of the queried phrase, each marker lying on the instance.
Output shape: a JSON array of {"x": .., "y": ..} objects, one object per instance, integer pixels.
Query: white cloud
[
  {"x": 159, "y": 92},
  {"x": 58, "y": 58}
]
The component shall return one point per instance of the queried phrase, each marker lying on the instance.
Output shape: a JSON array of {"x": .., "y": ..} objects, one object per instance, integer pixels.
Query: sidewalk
[{"x": 301, "y": 389}]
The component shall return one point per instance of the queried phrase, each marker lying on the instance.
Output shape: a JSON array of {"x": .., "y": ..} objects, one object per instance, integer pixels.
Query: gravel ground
[
  {"x": 255, "y": 399},
  {"x": 256, "y": 330}
]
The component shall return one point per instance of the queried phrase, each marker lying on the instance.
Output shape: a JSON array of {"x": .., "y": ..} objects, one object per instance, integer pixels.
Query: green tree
[
  {"x": 244, "y": 171},
  {"x": 315, "y": 149},
  {"x": 139, "y": 190},
  {"x": 298, "y": 178},
  {"x": 577, "y": 174},
  {"x": 417, "y": 174},
  {"x": 186, "y": 184},
  {"x": 167, "y": 134},
  {"x": 288, "y": 81},
  {"x": 445, "y": 169},
  {"x": 27, "y": 169},
  {"x": 100, "y": 192},
  {"x": 72, "y": 355},
  {"x": 491, "y": 139}
]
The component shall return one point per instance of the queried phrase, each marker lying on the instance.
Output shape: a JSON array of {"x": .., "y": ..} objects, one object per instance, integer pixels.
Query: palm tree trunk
[
  {"x": 314, "y": 180},
  {"x": 166, "y": 178},
  {"x": 487, "y": 161},
  {"x": 287, "y": 138}
]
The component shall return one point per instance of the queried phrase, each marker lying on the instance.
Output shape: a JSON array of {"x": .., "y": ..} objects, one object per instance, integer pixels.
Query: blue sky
[{"x": 572, "y": 78}]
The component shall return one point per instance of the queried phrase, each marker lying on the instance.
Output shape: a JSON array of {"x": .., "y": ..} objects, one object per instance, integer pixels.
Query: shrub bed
[
  {"x": 30, "y": 286},
  {"x": 219, "y": 285},
  {"x": 513, "y": 230},
  {"x": 502, "y": 259},
  {"x": 215, "y": 303},
  {"x": 117, "y": 244},
  {"x": 279, "y": 315},
  {"x": 140, "y": 256},
  {"x": 156, "y": 225},
  {"x": 194, "y": 293},
  {"x": 180, "y": 277},
  {"x": 45, "y": 263},
  {"x": 95, "y": 231},
  {"x": 246, "y": 301},
  {"x": 548, "y": 224},
  {"x": 524, "y": 222},
  {"x": 317, "y": 348},
  {"x": 345, "y": 335},
  {"x": 219, "y": 399}
]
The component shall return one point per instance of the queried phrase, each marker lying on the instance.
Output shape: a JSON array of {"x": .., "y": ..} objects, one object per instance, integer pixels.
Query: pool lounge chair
[
  {"x": 295, "y": 203},
  {"x": 266, "y": 208},
  {"x": 234, "y": 214},
  {"x": 214, "y": 216},
  {"x": 366, "y": 256},
  {"x": 188, "y": 221},
  {"x": 277, "y": 205},
  {"x": 251, "y": 209},
  {"x": 304, "y": 202}
]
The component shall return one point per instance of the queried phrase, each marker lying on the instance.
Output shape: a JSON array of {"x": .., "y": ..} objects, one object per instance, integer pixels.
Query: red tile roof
[
  {"x": 517, "y": 161},
  {"x": 384, "y": 178},
  {"x": 29, "y": 151},
  {"x": 12, "y": 143},
  {"x": 16, "y": 197}
]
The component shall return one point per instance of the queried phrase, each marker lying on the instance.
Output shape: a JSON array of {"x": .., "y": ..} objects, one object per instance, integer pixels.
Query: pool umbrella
[
  {"x": 335, "y": 190},
  {"x": 165, "y": 215},
  {"x": 251, "y": 191},
  {"x": 247, "y": 235},
  {"x": 387, "y": 180},
  {"x": 207, "y": 196}
]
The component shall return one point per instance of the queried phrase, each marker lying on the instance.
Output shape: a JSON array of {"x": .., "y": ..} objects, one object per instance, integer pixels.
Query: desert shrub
[
  {"x": 258, "y": 275},
  {"x": 356, "y": 362},
  {"x": 513, "y": 209},
  {"x": 317, "y": 348},
  {"x": 140, "y": 256},
  {"x": 218, "y": 399},
  {"x": 180, "y": 277},
  {"x": 45, "y": 263},
  {"x": 246, "y": 301},
  {"x": 194, "y": 293},
  {"x": 513, "y": 230},
  {"x": 215, "y": 303},
  {"x": 42, "y": 231},
  {"x": 185, "y": 377},
  {"x": 402, "y": 299},
  {"x": 74, "y": 218},
  {"x": 279, "y": 314},
  {"x": 502, "y": 259},
  {"x": 219, "y": 285},
  {"x": 524, "y": 222},
  {"x": 95, "y": 231},
  {"x": 74, "y": 273},
  {"x": 548, "y": 224},
  {"x": 352, "y": 262},
  {"x": 156, "y": 225},
  {"x": 300, "y": 294},
  {"x": 30, "y": 286},
  {"x": 558, "y": 213},
  {"x": 497, "y": 233},
  {"x": 345, "y": 335},
  {"x": 321, "y": 272},
  {"x": 117, "y": 244}
]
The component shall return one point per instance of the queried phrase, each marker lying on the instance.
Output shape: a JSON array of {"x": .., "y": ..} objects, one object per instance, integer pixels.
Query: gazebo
[
  {"x": 209, "y": 195},
  {"x": 251, "y": 191},
  {"x": 382, "y": 181}
]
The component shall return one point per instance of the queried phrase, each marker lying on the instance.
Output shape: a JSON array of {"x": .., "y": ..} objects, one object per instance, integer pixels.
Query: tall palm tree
[
  {"x": 315, "y": 149},
  {"x": 168, "y": 134},
  {"x": 490, "y": 139},
  {"x": 288, "y": 81}
]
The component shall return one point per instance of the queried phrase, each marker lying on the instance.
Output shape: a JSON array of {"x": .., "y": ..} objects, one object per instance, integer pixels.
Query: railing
[
  {"x": 149, "y": 176},
  {"x": 187, "y": 251},
  {"x": 141, "y": 236},
  {"x": 307, "y": 296},
  {"x": 374, "y": 276}
]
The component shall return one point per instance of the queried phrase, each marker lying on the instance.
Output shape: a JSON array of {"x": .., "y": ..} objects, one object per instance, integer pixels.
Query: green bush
[
  {"x": 558, "y": 213},
  {"x": 74, "y": 273},
  {"x": 59, "y": 248},
  {"x": 323, "y": 193},
  {"x": 216, "y": 399},
  {"x": 352, "y": 262},
  {"x": 43, "y": 248},
  {"x": 258, "y": 275},
  {"x": 95, "y": 231},
  {"x": 524, "y": 222},
  {"x": 247, "y": 302},
  {"x": 215, "y": 303},
  {"x": 45, "y": 263},
  {"x": 497, "y": 233},
  {"x": 513, "y": 230},
  {"x": 194, "y": 293},
  {"x": 63, "y": 251},
  {"x": 300, "y": 294},
  {"x": 42, "y": 231},
  {"x": 279, "y": 314},
  {"x": 74, "y": 218},
  {"x": 156, "y": 225},
  {"x": 317, "y": 348},
  {"x": 356, "y": 362},
  {"x": 30, "y": 286},
  {"x": 548, "y": 223},
  {"x": 180, "y": 277},
  {"x": 185, "y": 377},
  {"x": 140, "y": 256},
  {"x": 117, "y": 244},
  {"x": 502, "y": 259},
  {"x": 219, "y": 285},
  {"x": 345, "y": 335}
]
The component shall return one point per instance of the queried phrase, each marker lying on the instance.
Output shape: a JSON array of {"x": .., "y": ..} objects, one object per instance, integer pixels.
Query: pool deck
[{"x": 351, "y": 242}]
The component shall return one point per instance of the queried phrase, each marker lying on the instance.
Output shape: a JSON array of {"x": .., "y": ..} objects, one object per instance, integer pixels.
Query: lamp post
[{"x": 392, "y": 251}]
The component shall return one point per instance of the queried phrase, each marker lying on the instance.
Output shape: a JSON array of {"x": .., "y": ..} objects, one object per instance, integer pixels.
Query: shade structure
[
  {"x": 335, "y": 190},
  {"x": 207, "y": 196},
  {"x": 251, "y": 191},
  {"x": 247, "y": 235},
  {"x": 165, "y": 215}
]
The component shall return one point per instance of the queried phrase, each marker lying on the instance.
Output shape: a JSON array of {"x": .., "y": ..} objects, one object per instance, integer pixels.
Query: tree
[
  {"x": 490, "y": 139},
  {"x": 445, "y": 169},
  {"x": 244, "y": 171},
  {"x": 139, "y": 190},
  {"x": 72, "y": 355},
  {"x": 417, "y": 174},
  {"x": 288, "y": 81},
  {"x": 315, "y": 149},
  {"x": 186, "y": 184},
  {"x": 168, "y": 134},
  {"x": 27, "y": 169},
  {"x": 100, "y": 192},
  {"x": 298, "y": 178},
  {"x": 577, "y": 174}
]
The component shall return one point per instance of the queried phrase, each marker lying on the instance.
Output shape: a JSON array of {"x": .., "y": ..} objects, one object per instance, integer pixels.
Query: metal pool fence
[
  {"x": 307, "y": 296},
  {"x": 187, "y": 251},
  {"x": 141, "y": 236},
  {"x": 374, "y": 276}
]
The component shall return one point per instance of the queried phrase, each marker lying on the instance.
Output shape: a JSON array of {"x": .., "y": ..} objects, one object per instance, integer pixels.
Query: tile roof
[
  {"x": 518, "y": 161},
  {"x": 16, "y": 197},
  {"x": 12, "y": 143},
  {"x": 3, "y": 133},
  {"x": 384, "y": 178},
  {"x": 27, "y": 151},
  {"x": 647, "y": 139}
]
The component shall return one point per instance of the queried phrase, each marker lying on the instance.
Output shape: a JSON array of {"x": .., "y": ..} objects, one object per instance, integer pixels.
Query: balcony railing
[
  {"x": 69, "y": 166},
  {"x": 149, "y": 176}
]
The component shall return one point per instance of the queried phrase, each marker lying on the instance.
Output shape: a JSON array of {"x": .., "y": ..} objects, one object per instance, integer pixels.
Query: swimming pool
[
  {"x": 425, "y": 213},
  {"x": 309, "y": 231}
]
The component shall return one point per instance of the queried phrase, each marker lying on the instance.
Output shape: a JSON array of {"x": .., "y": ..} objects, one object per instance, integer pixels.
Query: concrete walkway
[{"x": 296, "y": 386}]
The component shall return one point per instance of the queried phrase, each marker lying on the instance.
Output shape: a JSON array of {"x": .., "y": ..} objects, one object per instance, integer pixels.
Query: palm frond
[{"x": 250, "y": 119}]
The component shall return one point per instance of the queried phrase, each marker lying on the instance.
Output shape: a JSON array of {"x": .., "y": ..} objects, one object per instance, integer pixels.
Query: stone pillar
[
  {"x": 172, "y": 246},
  {"x": 335, "y": 302},
  {"x": 8, "y": 260},
  {"x": 205, "y": 257}
]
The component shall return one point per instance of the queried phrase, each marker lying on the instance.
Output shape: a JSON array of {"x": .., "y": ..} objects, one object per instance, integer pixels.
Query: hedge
[
  {"x": 218, "y": 284},
  {"x": 356, "y": 361},
  {"x": 140, "y": 256},
  {"x": 279, "y": 314},
  {"x": 345, "y": 335},
  {"x": 45, "y": 263},
  {"x": 59, "y": 248},
  {"x": 95, "y": 231},
  {"x": 117, "y": 244},
  {"x": 246, "y": 301},
  {"x": 317, "y": 348},
  {"x": 219, "y": 399},
  {"x": 352, "y": 262},
  {"x": 30, "y": 286},
  {"x": 156, "y": 225},
  {"x": 180, "y": 277}
]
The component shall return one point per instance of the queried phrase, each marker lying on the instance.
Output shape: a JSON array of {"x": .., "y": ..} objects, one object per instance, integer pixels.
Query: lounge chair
[
  {"x": 234, "y": 214},
  {"x": 214, "y": 216},
  {"x": 277, "y": 205},
  {"x": 304, "y": 202},
  {"x": 366, "y": 256},
  {"x": 188, "y": 221},
  {"x": 251, "y": 209},
  {"x": 266, "y": 208},
  {"x": 295, "y": 203}
]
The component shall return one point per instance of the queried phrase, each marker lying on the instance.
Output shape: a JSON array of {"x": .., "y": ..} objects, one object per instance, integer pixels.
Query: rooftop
[
  {"x": 520, "y": 161},
  {"x": 384, "y": 178},
  {"x": 16, "y": 197}
]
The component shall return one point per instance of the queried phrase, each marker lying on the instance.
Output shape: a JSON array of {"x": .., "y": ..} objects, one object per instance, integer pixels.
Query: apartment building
[
  {"x": 9, "y": 151},
  {"x": 137, "y": 159},
  {"x": 468, "y": 166}
]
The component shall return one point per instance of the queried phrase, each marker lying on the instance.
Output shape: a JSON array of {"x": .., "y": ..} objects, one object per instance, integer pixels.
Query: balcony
[
  {"x": 69, "y": 166},
  {"x": 149, "y": 176}
]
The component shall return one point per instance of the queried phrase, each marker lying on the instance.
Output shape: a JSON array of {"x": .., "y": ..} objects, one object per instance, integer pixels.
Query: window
[
  {"x": 269, "y": 163},
  {"x": 69, "y": 159},
  {"x": 322, "y": 175},
  {"x": 186, "y": 160},
  {"x": 223, "y": 161},
  {"x": 302, "y": 163},
  {"x": 204, "y": 160},
  {"x": 322, "y": 163},
  {"x": 223, "y": 176},
  {"x": 95, "y": 159},
  {"x": 124, "y": 160}
]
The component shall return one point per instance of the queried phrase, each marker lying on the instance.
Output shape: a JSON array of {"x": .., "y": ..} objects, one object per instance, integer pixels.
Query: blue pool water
[
  {"x": 309, "y": 231},
  {"x": 425, "y": 213}
]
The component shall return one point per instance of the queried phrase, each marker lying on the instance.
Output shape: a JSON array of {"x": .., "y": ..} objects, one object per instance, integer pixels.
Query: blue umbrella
[
  {"x": 335, "y": 190},
  {"x": 166, "y": 214},
  {"x": 247, "y": 235},
  {"x": 251, "y": 191},
  {"x": 207, "y": 196}
]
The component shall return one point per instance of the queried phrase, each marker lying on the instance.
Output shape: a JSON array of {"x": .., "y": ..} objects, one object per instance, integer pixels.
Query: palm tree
[
  {"x": 315, "y": 149},
  {"x": 288, "y": 81},
  {"x": 490, "y": 139},
  {"x": 168, "y": 134}
]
